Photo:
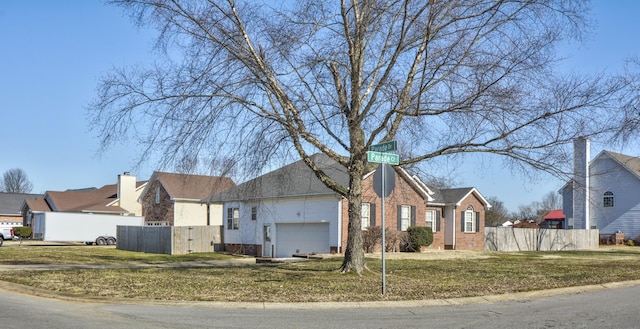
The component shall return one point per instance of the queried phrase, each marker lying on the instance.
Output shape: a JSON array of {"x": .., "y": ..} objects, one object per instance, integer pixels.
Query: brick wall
[
  {"x": 157, "y": 212},
  {"x": 470, "y": 240},
  {"x": 403, "y": 194},
  {"x": 244, "y": 249}
]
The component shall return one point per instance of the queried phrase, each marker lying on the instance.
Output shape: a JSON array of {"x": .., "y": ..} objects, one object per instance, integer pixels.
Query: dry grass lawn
[{"x": 435, "y": 275}]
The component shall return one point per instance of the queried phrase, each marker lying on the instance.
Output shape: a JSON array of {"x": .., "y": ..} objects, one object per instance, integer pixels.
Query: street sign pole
[
  {"x": 378, "y": 154},
  {"x": 384, "y": 270}
]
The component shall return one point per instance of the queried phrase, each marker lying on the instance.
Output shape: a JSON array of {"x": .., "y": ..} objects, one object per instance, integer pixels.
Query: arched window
[
  {"x": 607, "y": 200},
  {"x": 469, "y": 220}
]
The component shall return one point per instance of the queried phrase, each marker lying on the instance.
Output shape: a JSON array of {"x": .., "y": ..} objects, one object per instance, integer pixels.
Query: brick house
[
  {"x": 172, "y": 199},
  {"x": 456, "y": 216},
  {"x": 10, "y": 207},
  {"x": 290, "y": 211}
]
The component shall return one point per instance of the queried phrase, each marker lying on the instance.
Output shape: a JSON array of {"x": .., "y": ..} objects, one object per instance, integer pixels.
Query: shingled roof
[
  {"x": 453, "y": 196},
  {"x": 84, "y": 200},
  {"x": 630, "y": 162},
  {"x": 11, "y": 203},
  {"x": 295, "y": 179},
  {"x": 192, "y": 187}
]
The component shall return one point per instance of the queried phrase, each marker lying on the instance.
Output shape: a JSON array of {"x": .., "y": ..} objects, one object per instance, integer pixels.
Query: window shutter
[
  {"x": 462, "y": 221},
  {"x": 478, "y": 221},
  {"x": 413, "y": 215},
  {"x": 399, "y": 218},
  {"x": 372, "y": 214},
  {"x": 437, "y": 221}
]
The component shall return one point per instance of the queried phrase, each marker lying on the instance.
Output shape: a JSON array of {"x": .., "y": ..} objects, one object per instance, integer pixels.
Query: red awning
[{"x": 555, "y": 215}]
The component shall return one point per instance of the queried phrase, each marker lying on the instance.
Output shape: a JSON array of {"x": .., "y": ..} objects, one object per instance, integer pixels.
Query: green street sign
[
  {"x": 380, "y": 157},
  {"x": 384, "y": 147}
]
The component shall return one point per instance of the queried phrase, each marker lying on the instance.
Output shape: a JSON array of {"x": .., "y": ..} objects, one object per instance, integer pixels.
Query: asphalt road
[{"x": 610, "y": 306}]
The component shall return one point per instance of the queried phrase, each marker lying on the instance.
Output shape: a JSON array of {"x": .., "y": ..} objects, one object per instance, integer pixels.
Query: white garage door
[{"x": 302, "y": 238}]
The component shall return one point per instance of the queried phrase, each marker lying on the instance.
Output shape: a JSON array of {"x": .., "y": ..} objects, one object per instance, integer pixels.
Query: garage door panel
[{"x": 302, "y": 238}]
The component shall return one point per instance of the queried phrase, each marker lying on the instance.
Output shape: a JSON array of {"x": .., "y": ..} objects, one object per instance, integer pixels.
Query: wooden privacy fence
[
  {"x": 172, "y": 240},
  {"x": 538, "y": 239}
]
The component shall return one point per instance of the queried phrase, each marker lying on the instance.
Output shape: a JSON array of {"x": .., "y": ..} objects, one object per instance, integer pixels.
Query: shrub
[
  {"x": 419, "y": 237},
  {"x": 371, "y": 238},
  {"x": 395, "y": 240},
  {"x": 22, "y": 231},
  {"x": 630, "y": 243}
]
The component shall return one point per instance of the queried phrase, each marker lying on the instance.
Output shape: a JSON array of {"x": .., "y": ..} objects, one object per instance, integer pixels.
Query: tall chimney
[
  {"x": 127, "y": 192},
  {"x": 581, "y": 156}
]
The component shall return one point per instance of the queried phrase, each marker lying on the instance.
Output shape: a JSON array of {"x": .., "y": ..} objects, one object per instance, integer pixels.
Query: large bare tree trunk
[{"x": 354, "y": 252}]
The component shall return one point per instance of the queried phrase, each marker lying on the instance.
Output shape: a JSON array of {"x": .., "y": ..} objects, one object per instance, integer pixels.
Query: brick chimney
[{"x": 581, "y": 156}]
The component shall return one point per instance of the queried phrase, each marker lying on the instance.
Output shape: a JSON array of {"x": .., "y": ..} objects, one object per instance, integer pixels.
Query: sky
[{"x": 52, "y": 54}]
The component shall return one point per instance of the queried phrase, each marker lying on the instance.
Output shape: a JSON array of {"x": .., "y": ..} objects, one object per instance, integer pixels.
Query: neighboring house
[
  {"x": 554, "y": 219},
  {"x": 171, "y": 199},
  {"x": 10, "y": 205},
  {"x": 463, "y": 211},
  {"x": 290, "y": 211},
  {"x": 611, "y": 203},
  {"x": 114, "y": 199}
]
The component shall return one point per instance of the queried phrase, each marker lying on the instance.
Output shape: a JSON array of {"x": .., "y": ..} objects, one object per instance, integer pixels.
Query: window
[
  {"x": 608, "y": 199},
  {"x": 254, "y": 213},
  {"x": 365, "y": 221},
  {"x": 431, "y": 220},
  {"x": 233, "y": 217},
  {"x": 157, "y": 194},
  {"x": 405, "y": 217},
  {"x": 469, "y": 220}
]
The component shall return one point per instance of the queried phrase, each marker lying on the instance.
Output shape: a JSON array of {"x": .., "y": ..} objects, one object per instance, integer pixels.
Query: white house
[
  {"x": 611, "y": 203},
  {"x": 288, "y": 206}
]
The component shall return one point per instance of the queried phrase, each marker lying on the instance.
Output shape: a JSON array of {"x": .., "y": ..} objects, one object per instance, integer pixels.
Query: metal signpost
[{"x": 376, "y": 154}]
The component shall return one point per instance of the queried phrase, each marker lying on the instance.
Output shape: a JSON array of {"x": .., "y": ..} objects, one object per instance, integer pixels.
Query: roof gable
[
  {"x": 630, "y": 163},
  {"x": 36, "y": 205},
  {"x": 454, "y": 196}
]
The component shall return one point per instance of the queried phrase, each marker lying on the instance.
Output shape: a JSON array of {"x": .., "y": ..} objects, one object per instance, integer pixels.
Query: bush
[
  {"x": 22, "y": 231},
  {"x": 371, "y": 238},
  {"x": 419, "y": 237},
  {"x": 630, "y": 243}
]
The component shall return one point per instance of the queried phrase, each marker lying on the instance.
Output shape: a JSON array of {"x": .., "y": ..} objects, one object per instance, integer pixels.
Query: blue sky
[{"x": 52, "y": 54}]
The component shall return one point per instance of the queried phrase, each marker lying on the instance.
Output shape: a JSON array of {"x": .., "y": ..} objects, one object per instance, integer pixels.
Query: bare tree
[
  {"x": 497, "y": 214},
  {"x": 254, "y": 81},
  {"x": 550, "y": 201},
  {"x": 15, "y": 181}
]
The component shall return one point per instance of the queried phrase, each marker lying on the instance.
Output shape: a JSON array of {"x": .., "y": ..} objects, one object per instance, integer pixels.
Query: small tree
[{"x": 15, "y": 181}]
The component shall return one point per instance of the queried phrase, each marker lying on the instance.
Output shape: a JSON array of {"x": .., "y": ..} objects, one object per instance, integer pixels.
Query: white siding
[
  {"x": 567, "y": 204},
  {"x": 608, "y": 175},
  {"x": 79, "y": 227},
  {"x": 189, "y": 214},
  {"x": 323, "y": 209}
]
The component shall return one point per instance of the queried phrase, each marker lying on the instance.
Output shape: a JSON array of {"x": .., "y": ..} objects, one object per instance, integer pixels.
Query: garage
[{"x": 301, "y": 238}]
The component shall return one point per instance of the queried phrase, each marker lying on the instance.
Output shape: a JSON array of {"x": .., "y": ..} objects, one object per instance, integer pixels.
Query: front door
[{"x": 266, "y": 242}]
